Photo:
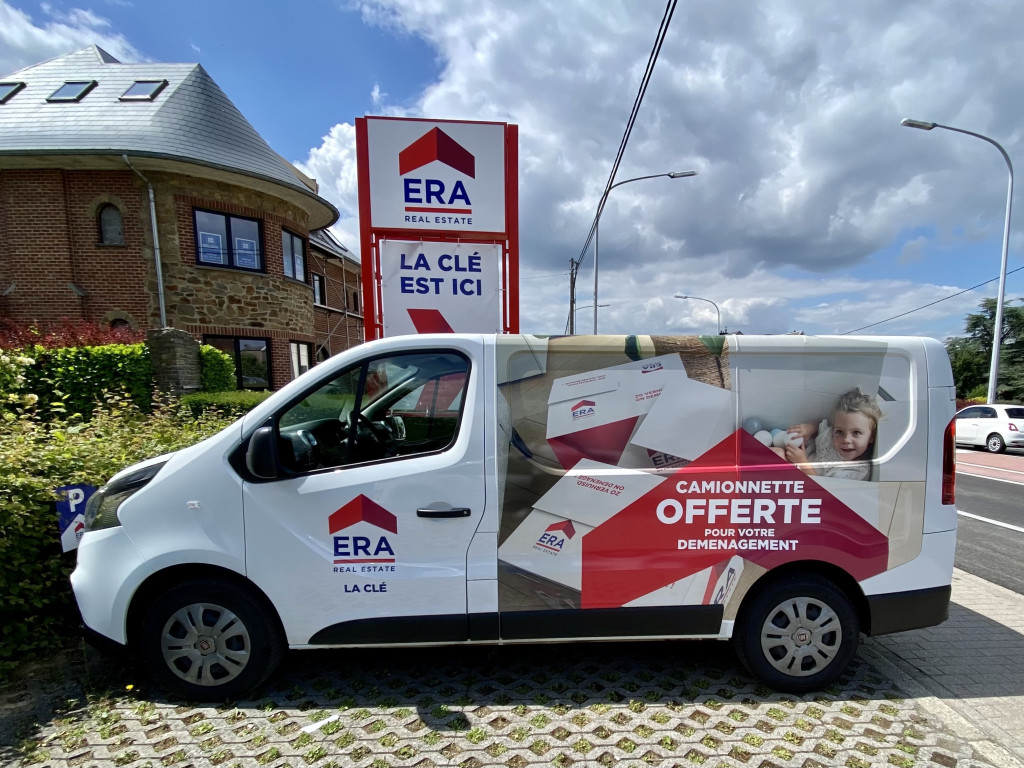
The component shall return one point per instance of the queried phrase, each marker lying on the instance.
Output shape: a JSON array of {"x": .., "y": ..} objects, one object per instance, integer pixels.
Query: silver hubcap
[
  {"x": 205, "y": 644},
  {"x": 801, "y": 636},
  {"x": 993, "y": 444}
]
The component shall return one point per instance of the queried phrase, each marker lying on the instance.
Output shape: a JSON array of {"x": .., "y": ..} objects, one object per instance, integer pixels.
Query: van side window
[{"x": 383, "y": 409}]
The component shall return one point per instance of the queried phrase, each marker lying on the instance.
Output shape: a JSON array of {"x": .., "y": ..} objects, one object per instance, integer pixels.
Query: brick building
[{"x": 138, "y": 195}]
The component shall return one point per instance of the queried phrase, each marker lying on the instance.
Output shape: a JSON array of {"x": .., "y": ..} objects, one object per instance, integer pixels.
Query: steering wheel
[
  {"x": 377, "y": 436},
  {"x": 305, "y": 448}
]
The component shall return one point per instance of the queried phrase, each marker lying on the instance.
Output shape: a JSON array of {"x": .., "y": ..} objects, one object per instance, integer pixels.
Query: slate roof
[
  {"x": 191, "y": 119},
  {"x": 323, "y": 239}
]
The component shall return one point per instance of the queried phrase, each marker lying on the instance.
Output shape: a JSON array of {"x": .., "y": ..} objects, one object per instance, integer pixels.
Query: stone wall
[{"x": 175, "y": 358}]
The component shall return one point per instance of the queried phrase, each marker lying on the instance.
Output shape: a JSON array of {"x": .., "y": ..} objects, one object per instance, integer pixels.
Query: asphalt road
[{"x": 993, "y": 552}]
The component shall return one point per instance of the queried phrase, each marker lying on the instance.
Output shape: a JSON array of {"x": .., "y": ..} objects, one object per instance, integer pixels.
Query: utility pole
[{"x": 572, "y": 296}]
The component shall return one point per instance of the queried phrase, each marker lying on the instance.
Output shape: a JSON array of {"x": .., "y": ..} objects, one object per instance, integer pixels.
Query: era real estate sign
[{"x": 438, "y": 210}]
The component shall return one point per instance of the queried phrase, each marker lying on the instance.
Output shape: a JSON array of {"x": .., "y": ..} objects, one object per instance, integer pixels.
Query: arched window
[{"x": 111, "y": 229}]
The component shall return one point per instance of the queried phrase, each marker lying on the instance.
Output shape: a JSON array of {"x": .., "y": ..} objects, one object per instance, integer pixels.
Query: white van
[{"x": 451, "y": 489}]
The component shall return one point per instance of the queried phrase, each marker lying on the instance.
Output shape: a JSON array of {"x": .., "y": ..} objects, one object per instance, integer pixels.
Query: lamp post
[
  {"x": 997, "y": 328},
  {"x": 709, "y": 301},
  {"x": 600, "y": 209}
]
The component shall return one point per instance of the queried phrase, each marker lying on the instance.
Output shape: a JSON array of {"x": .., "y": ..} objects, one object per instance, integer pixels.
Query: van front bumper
[{"x": 108, "y": 572}]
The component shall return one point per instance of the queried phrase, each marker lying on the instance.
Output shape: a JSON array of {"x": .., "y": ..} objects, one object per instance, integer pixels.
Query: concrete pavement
[
  {"x": 949, "y": 696},
  {"x": 968, "y": 671}
]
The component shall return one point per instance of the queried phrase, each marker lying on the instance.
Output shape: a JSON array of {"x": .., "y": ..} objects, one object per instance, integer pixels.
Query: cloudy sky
[{"x": 813, "y": 209}]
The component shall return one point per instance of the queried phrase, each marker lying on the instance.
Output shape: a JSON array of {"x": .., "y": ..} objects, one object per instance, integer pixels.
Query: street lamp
[
  {"x": 997, "y": 328},
  {"x": 600, "y": 209},
  {"x": 709, "y": 301}
]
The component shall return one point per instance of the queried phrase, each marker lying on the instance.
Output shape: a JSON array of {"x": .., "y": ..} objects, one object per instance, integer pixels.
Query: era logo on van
[
  {"x": 432, "y": 195},
  {"x": 584, "y": 408},
  {"x": 555, "y": 535},
  {"x": 362, "y": 549},
  {"x": 651, "y": 367}
]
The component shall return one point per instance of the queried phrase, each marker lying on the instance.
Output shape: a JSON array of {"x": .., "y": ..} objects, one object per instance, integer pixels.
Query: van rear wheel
[
  {"x": 797, "y": 634},
  {"x": 210, "y": 640}
]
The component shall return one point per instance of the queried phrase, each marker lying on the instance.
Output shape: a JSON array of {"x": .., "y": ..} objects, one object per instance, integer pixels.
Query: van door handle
[{"x": 446, "y": 512}]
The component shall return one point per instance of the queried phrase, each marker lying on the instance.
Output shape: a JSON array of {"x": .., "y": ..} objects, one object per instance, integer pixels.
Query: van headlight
[{"x": 101, "y": 509}]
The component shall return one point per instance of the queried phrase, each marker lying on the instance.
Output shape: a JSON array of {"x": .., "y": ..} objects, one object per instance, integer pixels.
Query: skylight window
[
  {"x": 9, "y": 89},
  {"x": 144, "y": 90},
  {"x": 73, "y": 90}
]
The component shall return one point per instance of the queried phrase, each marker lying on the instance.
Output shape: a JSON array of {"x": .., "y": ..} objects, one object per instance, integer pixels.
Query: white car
[{"x": 995, "y": 427}]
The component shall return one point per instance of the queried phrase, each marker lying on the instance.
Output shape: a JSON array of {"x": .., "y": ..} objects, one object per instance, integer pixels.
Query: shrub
[
  {"x": 37, "y": 456},
  {"x": 12, "y": 379},
  {"x": 75, "y": 378},
  {"x": 66, "y": 333},
  {"x": 227, "y": 404},
  {"x": 216, "y": 369}
]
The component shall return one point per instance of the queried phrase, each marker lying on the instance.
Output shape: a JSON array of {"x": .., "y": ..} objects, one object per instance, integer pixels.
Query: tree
[{"x": 970, "y": 355}]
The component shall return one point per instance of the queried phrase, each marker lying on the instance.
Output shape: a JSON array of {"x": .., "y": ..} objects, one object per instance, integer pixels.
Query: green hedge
[
  {"x": 74, "y": 379},
  {"x": 229, "y": 404},
  {"x": 216, "y": 369},
  {"x": 37, "y": 612}
]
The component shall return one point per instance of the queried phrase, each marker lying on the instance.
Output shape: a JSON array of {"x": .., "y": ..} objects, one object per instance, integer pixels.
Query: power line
[
  {"x": 930, "y": 304},
  {"x": 538, "y": 277},
  {"x": 659, "y": 40}
]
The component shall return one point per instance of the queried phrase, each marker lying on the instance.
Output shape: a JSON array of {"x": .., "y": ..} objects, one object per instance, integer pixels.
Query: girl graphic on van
[{"x": 844, "y": 447}]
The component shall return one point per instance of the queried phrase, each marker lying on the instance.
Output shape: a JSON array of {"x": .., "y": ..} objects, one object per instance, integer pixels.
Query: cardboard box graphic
[
  {"x": 689, "y": 420},
  {"x": 594, "y": 414},
  {"x": 549, "y": 546},
  {"x": 584, "y": 498},
  {"x": 714, "y": 585}
]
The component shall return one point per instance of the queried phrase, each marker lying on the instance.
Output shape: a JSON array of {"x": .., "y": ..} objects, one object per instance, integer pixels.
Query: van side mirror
[{"x": 261, "y": 456}]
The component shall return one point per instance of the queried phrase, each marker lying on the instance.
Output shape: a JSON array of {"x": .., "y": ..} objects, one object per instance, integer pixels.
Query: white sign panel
[
  {"x": 440, "y": 287},
  {"x": 427, "y": 175}
]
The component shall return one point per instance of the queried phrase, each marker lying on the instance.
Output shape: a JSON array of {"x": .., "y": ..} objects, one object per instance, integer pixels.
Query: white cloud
[
  {"x": 23, "y": 42},
  {"x": 790, "y": 114}
]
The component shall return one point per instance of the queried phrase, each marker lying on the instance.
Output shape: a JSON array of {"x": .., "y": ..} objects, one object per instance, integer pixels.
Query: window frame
[
  {"x": 86, "y": 87},
  {"x": 290, "y": 238},
  {"x": 99, "y": 225},
  {"x": 158, "y": 86},
  {"x": 319, "y": 283},
  {"x": 237, "y": 355},
  {"x": 230, "y": 250},
  {"x": 294, "y": 349},
  {"x": 377, "y": 407},
  {"x": 16, "y": 87}
]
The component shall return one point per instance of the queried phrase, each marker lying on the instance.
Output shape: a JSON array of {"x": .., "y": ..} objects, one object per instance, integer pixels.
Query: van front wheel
[
  {"x": 210, "y": 640},
  {"x": 798, "y": 634}
]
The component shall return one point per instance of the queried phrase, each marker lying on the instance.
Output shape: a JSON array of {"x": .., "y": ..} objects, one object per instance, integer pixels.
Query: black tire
[
  {"x": 797, "y": 634},
  {"x": 240, "y": 648},
  {"x": 995, "y": 444}
]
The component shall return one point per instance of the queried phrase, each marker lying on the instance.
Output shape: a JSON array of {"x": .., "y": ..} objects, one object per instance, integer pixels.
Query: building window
[
  {"x": 300, "y": 358},
  {"x": 355, "y": 301},
  {"x": 110, "y": 225},
  {"x": 144, "y": 90},
  {"x": 73, "y": 90},
  {"x": 251, "y": 356},
  {"x": 228, "y": 241},
  {"x": 319, "y": 290},
  {"x": 294, "y": 255},
  {"x": 7, "y": 90}
]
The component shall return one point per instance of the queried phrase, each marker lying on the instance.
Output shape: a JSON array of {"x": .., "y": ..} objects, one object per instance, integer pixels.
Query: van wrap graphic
[{"x": 631, "y": 480}]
